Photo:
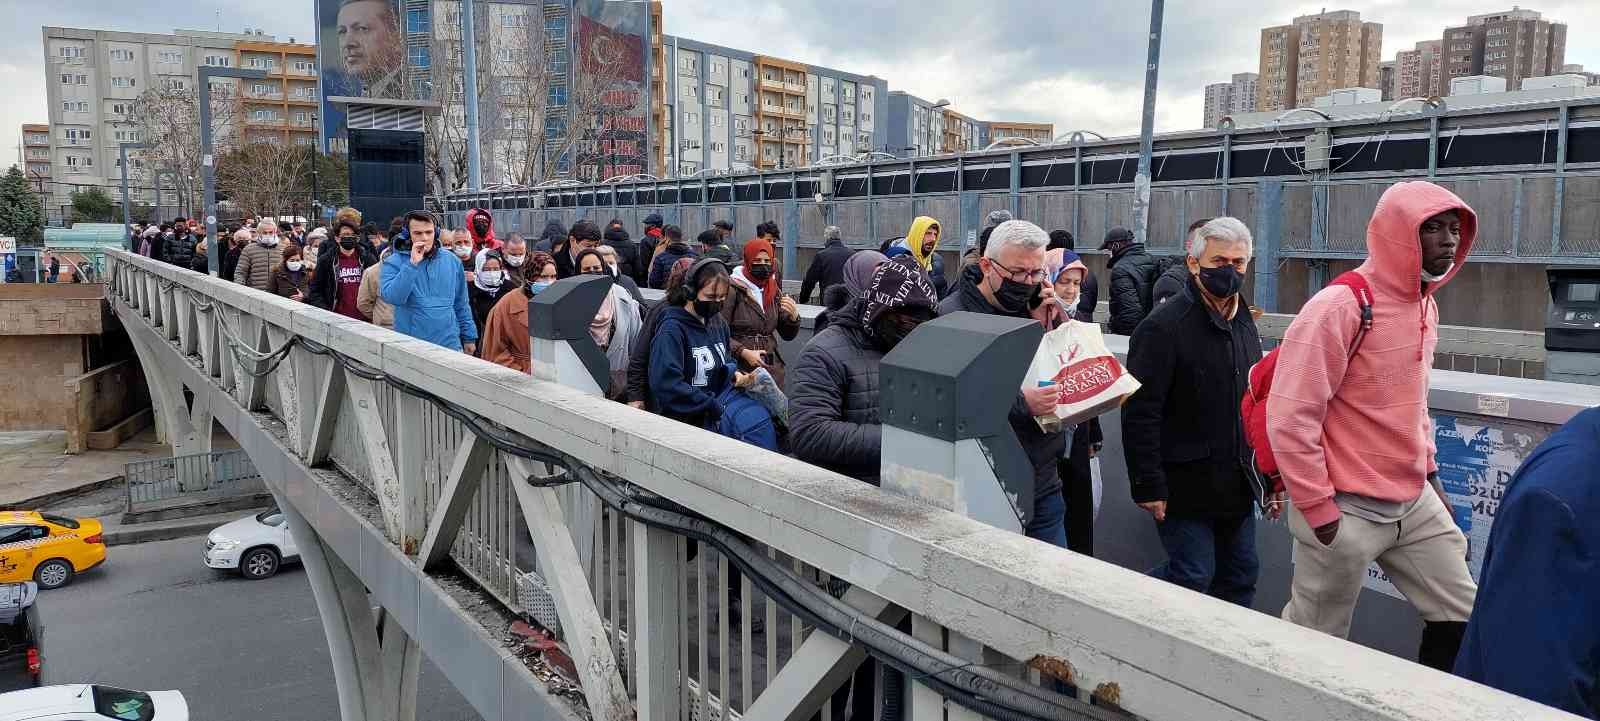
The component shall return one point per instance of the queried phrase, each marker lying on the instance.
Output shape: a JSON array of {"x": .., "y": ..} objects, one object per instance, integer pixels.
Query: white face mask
[
  {"x": 294, "y": 266},
  {"x": 516, "y": 261},
  {"x": 267, "y": 240},
  {"x": 492, "y": 278},
  {"x": 1431, "y": 278},
  {"x": 463, "y": 251}
]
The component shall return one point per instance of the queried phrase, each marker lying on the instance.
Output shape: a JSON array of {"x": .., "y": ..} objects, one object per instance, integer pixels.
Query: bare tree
[
  {"x": 523, "y": 70},
  {"x": 168, "y": 118},
  {"x": 266, "y": 178},
  {"x": 446, "y": 133}
]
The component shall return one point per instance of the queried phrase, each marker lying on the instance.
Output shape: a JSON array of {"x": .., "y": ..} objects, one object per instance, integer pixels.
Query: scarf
[
  {"x": 600, "y": 325},
  {"x": 766, "y": 294},
  {"x": 858, "y": 270}
]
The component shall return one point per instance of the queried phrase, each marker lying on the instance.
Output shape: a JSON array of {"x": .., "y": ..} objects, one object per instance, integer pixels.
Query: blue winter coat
[
  {"x": 429, "y": 299},
  {"x": 690, "y": 365},
  {"x": 1534, "y": 631}
]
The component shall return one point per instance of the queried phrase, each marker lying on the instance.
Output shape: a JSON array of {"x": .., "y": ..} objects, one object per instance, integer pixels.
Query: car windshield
[
  {"x": 123, "y": 704},
  {"x": 61, "y": 521}
]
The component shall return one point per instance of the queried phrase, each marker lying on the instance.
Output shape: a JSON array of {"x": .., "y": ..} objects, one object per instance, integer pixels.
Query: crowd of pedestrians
[{"x": 1333, "y": 437}]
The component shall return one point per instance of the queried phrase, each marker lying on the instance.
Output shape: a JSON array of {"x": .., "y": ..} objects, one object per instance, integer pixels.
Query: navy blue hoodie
[
  {"x": 689, "y": 367},
  {"x": 1533, "y": 631}
]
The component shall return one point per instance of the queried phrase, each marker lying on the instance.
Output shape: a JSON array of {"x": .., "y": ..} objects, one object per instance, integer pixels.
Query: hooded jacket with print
[{"x": 1360, "y": 425}]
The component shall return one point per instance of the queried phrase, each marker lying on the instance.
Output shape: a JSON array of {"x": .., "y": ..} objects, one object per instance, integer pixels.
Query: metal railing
[
  {"x": 423, "y": 433},
  {"x": 198, "y": 477}
]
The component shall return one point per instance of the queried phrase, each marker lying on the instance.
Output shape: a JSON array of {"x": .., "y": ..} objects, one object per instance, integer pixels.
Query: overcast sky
[{"x": 1076, "y": 63}]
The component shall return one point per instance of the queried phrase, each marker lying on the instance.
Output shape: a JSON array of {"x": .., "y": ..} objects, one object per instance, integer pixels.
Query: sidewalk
[{"x": 35, "y": 472}]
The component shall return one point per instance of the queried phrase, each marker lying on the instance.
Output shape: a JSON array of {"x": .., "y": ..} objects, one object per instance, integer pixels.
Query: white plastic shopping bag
[
  {"x": 1088, "y": 378},
  {"x": 1096, "y": 485}
]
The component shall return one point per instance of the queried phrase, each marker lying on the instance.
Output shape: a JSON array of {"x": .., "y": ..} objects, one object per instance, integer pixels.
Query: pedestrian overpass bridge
[{"x": 427, "y": 484}]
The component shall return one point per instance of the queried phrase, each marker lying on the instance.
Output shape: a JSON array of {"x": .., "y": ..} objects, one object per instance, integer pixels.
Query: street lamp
[
  {"x": 208, "y": 167},
  {"x": 127, "y": 219},
  {"x": 758, "y": 134}
]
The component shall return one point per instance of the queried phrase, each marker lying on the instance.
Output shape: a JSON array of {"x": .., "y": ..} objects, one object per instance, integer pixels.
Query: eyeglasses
[{"x": 1034, "y": 277}]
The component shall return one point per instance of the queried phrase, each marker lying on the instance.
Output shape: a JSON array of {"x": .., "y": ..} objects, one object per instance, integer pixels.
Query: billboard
[
  {"x": 610, "y": 100},
  {"x": 361, "y": 50}
]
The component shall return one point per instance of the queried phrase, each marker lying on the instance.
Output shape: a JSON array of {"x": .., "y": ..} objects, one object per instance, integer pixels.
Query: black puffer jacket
[
  {"x": 833, "y": 399},
  {"x": 627, "y": 251},
  {"x": 1170, "y": 284},
  {"x": 1042, "y": 448},
  {"x": 1133, "y": 275},
  {"x": 1181, "y": 432},
  {"x": 179, "y": 249},
  {"x": 661, "y": 267}
]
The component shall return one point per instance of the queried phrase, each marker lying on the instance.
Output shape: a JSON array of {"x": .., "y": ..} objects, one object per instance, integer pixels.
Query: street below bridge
[{"x": 155, "y": 618}]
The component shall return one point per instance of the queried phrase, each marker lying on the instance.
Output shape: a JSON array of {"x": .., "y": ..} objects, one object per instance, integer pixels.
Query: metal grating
[
  {"x": 1347, "y": 204},
  {"x": 1580, "y": 218},
  {"x": 992, "y": 201},
  {"x": 747, "y": 217},
  {"x": 813, "y": 218},
  {"x": 947, "y": 210},
  {"x": 851, "y": 217},
  {"x": 891, "y": 220}
]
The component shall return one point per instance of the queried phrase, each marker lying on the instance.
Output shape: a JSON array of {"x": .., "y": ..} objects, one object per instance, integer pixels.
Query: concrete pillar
[{"x": 561, "y": 347}]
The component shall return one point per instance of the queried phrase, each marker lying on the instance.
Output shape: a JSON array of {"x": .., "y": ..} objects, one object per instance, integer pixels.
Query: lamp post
[
  {"x": 1141, "y": 182},
  {"x": 758, "y": 134},
  {"x": 207, "y": 159},
  {"x": 127, "y": 218}
]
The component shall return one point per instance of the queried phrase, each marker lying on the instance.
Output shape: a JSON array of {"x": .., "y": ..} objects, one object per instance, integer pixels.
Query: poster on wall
[
  {"x": 1477, "y": 457},
  {"x": 361, "y": 52},
  {"x": 610, "y": 97}
]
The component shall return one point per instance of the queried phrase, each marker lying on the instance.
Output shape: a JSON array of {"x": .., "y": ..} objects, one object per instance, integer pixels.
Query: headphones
[
  {"x": 700, "y": 265},
  {"x": 402, "y": 241}
]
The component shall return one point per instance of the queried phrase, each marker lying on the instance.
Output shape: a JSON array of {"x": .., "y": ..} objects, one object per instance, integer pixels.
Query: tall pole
[
  {"x": 469, "y": 82},
  {"x": 1141, "y": 182},
  {"x": 207, "y": 159},
  {"x": 127, "y": 219}
]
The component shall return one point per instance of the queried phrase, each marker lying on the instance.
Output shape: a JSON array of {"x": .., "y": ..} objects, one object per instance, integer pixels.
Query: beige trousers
[{"x": 1424, "y": 554}]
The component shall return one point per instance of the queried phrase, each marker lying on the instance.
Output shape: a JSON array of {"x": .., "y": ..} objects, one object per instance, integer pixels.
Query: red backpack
[{"x": 1253, "y": 409}]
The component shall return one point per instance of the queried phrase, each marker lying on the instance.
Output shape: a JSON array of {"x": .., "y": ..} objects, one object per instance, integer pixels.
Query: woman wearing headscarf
[
  {"x": 615, "y": 326},
  {"x": 505, "y": 330},
  {"x": 759, "y": 311},
  {"x": 290, "y": 278},
  {"x": 857, "y": 274},
  {"x": 1067, "y": 271},
  {"x": 638, "y": 394},
  {"x": 488, "y": 286}
]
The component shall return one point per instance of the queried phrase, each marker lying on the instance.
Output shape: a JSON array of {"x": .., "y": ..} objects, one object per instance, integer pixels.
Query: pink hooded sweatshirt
[{"x": 1361, "y": 425}]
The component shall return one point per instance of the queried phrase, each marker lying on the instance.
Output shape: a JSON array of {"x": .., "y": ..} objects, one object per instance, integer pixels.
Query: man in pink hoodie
[{"x": 1353, "y": 437}]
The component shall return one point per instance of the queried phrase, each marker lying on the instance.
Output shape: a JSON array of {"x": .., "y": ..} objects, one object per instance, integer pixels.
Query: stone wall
[{"x": 45, "y": 335}]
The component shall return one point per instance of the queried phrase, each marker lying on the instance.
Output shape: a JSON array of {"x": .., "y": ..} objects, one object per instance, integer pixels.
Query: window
[
  {"x": 171, "y": 83},
  {"x": 169, "y": 56},
  {"x": 555, "y": 127},
  {"x": 513, "y": 88},
  {"x": 688, "y": 145},
  {"x": 715, "y": 95},
  {"x": 690, "y": 91},
  {"x": 74, "y": 135},
  {"x": 263, "y": 114},
  {"x": 718, "y": 66},
  {"x": 118, "y": 55},
  {"x": 306, "y": 66},
  {"x": 302, "y": 117},
  {"x": 219, "y": 61},
  {"x": 557, "y": 95},
  {"x": 717, "y": 147},
  {"x": 116, "y": 703},
  {"x": 716, "y": 120},
  {"x": 261, "y": 89},
  {"x": 71, "y": 51},
  {"x": 555, "y": 25},
  {"x": 74, "y": 106},
  {"x": 120, "y": 82},
  {"x": 504, "y": 55},
  {"x": 558, "y": 63},
  {"x": 744, "y": 99},
  {"x": 514, "y": 20},
  {"x": 127, "y": 136},
  {"x": 419, "y": 57},
  {"x": 417, "y": 21},
  {"x": 691, "y": 118},
  {"x": 689, "y": 65}
]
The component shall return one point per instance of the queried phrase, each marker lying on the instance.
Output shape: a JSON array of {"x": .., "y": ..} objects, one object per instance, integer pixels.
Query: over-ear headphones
[{"x": 700, "y": 265}]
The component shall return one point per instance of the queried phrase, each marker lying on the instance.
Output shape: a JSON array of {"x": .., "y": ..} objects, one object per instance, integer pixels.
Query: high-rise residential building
[
  {"x": 961, "y": 132},
  {"x": 95, "y": 77},
  {"x": 1417, "y": 71},
  {"x": 1386, "y": 79},
  {"x": 917, "y": 126},
  {"x": 34, "y": 154},
  {"x": 660, "y": 119},
  {"x": 1516, "y": 44},
  {"x": 283, "y": 106},
  {"x": 732, "y": 109},
  {"x": 1230, "y": 98},
  {"x": 994, "y": 130},
  {"x": 1315, "y": 55}
]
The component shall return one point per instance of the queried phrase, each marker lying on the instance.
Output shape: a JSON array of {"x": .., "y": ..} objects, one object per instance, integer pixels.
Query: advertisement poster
[
  {"x": 610, "y": 97},
  {"x": 1477, "y": 458},
  {"x": 361, "y": 52}
]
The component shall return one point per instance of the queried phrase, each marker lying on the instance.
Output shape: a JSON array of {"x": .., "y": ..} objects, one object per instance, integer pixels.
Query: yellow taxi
[{"x": 48, "y": 549}]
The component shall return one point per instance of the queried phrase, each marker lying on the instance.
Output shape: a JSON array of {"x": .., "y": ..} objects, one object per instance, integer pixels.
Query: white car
[
  {"x": 87, "y": 702},
  {"x": 255, "y": 546}
]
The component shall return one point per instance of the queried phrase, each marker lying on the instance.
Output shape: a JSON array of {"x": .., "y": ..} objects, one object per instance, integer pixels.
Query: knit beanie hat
[
  {"x": 997, "y": 217},
  {"x": 897, "y": 283}
]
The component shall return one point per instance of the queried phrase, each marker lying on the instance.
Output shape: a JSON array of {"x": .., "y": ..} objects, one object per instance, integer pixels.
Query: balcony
[
  {"x": 773, "y": 85},
  {"x": 798, "y": 88},
  {"x": 265, "y": 122},
  {"x": 275, "y": 97}
]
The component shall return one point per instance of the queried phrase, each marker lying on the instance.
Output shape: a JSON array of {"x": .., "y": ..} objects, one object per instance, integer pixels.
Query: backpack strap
[{"x": 1357, "y": 283}]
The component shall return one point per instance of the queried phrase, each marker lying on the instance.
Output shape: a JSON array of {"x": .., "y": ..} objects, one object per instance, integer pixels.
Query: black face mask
[
  {"x": 760, "y": 272},
  {"x": 1015, "y": 297},
  {"x": 1222, "y": 281},
  {"x": 348, "y": 243},
  {"x": 707, "y": 308},
  {"x": 888, "y": 332}
]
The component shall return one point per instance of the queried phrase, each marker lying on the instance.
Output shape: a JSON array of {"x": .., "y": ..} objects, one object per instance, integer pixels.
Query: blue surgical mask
[{"x": 537, "y": 287}]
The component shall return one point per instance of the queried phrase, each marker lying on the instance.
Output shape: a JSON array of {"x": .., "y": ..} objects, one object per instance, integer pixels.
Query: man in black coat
[
  {"x": 827, "y": 269},
  {"x": 179, "y": 248},
  {"x": 1011, "y": 280},
  {"x": 649, "y": 244},
  {"x": 1133, "y": 274},
  {"x": 833, "y": 386},
  {"x": 582, "y": 236},
  {"x": 1182, "y": 436},
  {"x": 617, "y": 237},
  {"x": 346, "y": 250}
]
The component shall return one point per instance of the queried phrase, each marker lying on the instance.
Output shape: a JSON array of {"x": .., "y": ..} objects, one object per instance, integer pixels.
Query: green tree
[
  {"x": 92, "y": 205},
  {"x": 21, "y": 214}
]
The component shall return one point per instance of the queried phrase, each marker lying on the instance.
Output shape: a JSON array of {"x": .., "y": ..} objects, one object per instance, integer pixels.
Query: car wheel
[
  {"x": 53, "y": 573},
  {"x": 259, "y": 563}
]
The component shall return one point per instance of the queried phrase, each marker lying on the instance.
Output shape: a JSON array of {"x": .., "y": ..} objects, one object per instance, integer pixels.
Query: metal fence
[{"x": 197, "y": 477}]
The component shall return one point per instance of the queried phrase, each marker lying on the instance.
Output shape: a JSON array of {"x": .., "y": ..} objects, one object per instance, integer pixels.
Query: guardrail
[
  {"x": 197, "y": 477},
  {"x": 420, "y": 435}
]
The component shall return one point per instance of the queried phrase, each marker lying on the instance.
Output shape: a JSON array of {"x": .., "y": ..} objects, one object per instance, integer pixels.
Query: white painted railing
[{"x": 627, "y": 599}]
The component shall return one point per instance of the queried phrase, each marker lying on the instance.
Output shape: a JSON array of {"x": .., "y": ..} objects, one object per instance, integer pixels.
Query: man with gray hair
[
  {"x": 1011, "y": 279},
  {"x": 1182, "y": 434},
  {"x": 827, "y": 268}
]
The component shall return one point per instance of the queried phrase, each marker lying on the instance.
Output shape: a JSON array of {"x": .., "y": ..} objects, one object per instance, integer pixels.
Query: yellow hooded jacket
[{"x": 919, "y": 228}]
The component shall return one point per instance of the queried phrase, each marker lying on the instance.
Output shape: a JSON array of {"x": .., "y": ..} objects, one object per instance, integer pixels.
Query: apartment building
[
  {"x": 961, "y": 133},
  {"x": 1417, "y": 71},
  {"x": 1315, "y": 55},
  {"x": 34, "y": 155},
  {"x": 282, "y": 107},
  {"x": 94, "y": 77},
  {"x": 1238, "y": 95},
  {"x": 1516, "y": 44},
  {"x": 996, "y": 130},
  {"x": 917, "y": 127},
  {"x": 732, "y": 109},
  {"x": 659, "y": 118}
]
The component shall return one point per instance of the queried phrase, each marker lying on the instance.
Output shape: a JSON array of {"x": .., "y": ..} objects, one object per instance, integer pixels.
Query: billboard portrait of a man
[{"x": 371, "y": 50}]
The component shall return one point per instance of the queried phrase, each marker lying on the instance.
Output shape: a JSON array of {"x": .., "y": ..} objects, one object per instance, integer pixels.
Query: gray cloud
[{"x": 1076, "y": 63}]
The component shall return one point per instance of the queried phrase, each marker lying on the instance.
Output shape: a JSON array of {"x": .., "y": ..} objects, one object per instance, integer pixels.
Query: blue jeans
[
  {"x": 1215, "y": 556},
  {"x": 1049, "y": 523}
]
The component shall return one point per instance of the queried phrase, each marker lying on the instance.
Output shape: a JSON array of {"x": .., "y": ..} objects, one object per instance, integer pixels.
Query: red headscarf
[{"x": 769, "y": 292}]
